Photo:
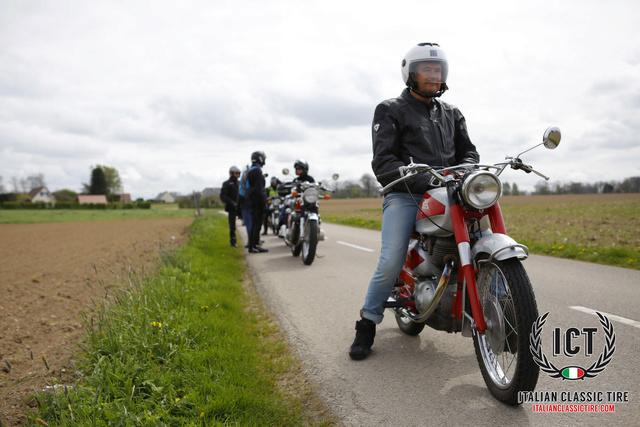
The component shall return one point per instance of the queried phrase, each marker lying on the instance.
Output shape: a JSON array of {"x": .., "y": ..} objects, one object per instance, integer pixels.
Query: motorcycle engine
[{"x": 424, "y": 293}]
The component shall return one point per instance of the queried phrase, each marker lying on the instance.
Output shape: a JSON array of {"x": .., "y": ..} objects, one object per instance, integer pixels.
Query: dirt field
[{"x": 44, "y": 270}]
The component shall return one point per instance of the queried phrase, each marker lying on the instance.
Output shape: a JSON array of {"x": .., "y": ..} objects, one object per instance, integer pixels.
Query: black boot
[{"x": 365, "y": 333}]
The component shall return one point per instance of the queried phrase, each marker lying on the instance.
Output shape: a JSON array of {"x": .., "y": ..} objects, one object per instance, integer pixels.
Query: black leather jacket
[{"x": 434, "y": 133}]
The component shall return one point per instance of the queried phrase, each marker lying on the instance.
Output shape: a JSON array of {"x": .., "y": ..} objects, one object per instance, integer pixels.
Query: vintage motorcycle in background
[
  {"x": 275, "y": 204},
  {"x": 463, "y": 273},
  {"x": 301, "y": 230}
]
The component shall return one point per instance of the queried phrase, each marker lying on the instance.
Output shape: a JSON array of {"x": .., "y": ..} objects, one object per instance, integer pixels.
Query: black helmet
[
  {"x": 234, "y": 169},
  {"x": 424, "y": 52},
  {"x": 258, "y": 157},
  {"x": 301, "y": 164}
]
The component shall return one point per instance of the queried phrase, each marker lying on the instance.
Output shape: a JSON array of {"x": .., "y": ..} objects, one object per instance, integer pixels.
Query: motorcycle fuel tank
[{"x": 434, "y": 218}]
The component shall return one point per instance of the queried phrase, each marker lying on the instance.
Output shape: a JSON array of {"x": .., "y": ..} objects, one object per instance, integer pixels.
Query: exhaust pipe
[{"x": 428, "y": 311}]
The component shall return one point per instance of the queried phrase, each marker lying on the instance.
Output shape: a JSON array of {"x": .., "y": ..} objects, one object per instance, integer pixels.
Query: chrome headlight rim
[
  {"x": 310, "y": 195},
  {"x": 481, "y": 189}
]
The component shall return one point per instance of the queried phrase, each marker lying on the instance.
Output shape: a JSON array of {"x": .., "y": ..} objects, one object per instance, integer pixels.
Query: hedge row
[{"x": 75, "y": 205}]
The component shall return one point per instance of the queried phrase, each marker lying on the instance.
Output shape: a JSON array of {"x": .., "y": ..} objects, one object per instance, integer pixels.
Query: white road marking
[
  {"x": 624, "y": 320},
  {"x": 354, "y": 246}
]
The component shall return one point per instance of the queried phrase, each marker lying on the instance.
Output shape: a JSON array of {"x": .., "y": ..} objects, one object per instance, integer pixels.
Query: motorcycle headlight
[
  {"x": 275, "y": 202},
  {"x": 482, "y": 189},
  {"x": 310, "y": 195}
]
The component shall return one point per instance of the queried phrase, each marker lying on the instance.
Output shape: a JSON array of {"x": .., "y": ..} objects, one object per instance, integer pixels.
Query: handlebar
[{"x": 413, "y": 169}]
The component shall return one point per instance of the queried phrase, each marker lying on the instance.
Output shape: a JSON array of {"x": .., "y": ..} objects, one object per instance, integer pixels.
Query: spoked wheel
[
  {"x": 407, "y": 326},
  {"x": 309, "y": 242},
  {"x": 509, "y": 308}
]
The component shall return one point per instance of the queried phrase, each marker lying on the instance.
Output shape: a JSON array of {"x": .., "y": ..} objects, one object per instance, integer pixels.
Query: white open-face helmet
[{"x": 424, "y": 52}]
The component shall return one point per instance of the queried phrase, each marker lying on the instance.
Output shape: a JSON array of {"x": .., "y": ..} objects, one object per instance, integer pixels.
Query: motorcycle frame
[{"x": 467, "y": 266}]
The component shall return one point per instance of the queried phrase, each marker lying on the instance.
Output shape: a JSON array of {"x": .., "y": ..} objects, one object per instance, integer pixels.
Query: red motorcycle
[{"x": 463, "y": 273}]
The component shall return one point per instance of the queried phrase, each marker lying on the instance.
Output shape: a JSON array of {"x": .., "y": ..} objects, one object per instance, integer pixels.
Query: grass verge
[{"x": 187, "y": 345}]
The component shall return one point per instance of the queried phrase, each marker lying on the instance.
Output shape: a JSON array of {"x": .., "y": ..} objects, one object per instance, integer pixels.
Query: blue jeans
[{"x": 399, "y": 212}]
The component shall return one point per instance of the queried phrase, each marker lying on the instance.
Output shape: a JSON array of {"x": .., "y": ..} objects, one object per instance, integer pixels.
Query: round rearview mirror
[
  {"x": 335, "y": 176},
  {"x": 551, "y": 138},
  {"x": 285, "y": 171}
]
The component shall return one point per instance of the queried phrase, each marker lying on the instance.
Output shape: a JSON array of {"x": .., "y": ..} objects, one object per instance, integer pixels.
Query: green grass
[
  {"x": 189, "y": 345},
  {"x": 600, "y": 231},
  {"x": 11, "y": 216}
]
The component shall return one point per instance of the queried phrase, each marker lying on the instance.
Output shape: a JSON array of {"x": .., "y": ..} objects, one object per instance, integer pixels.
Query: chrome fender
[
  {"x": 499, "y": 247},
  {"x": 312, "y": 216}
]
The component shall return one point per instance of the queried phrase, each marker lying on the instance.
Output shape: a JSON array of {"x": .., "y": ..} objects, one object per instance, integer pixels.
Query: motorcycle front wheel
[
  {"x": 309, "y": 242},
  {"x": 509, "y": 307}
]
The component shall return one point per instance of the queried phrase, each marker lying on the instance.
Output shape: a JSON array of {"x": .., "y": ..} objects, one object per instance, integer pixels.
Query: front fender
[
  {"x": 499, "y": 247},
  {"x": 312, "y": 216}
]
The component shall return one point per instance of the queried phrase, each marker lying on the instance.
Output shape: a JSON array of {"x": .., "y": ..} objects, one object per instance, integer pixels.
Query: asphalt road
[{"x": 434, "y": 379}]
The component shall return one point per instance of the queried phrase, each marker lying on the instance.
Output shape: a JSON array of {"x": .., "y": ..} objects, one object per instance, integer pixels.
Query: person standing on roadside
[
  {"x": 229, "y": 196},
  {"x": 256, "y": 199}
]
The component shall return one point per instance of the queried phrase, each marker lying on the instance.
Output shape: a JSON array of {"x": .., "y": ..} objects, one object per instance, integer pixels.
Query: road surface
[{"x": 434, "y": 378}]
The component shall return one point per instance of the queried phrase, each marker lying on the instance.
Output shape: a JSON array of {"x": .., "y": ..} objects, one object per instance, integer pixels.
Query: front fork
[{"x": 466, "y": 264}]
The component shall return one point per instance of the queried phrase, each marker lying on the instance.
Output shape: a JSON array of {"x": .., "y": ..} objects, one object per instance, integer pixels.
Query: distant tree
[
  {"x": 506, "y": 189},
  {"x": 514, "y": 190},
  {"x": 1, "y": 186},
  {"x": 631, "y": 185},
  {"x": 542, "y": 188},
  {"x": 64, "y": 195},
  {"x": 112, "y": 178},
  {"x": 98, "y": 182},
  {"x": 35, "y": 181},
  {"x": 369, "y": 184},
  {"x": 17, "y": 187}
]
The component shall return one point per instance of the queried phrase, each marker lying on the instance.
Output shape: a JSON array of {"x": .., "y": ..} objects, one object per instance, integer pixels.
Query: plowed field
[{"x": 44, "y": 269}]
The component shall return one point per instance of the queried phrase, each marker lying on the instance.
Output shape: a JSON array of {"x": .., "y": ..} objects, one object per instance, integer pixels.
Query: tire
[
  {"x": 309, "y": 244},
  {"x": 509, "y": 306},
  {"x": 295, "y": 250},
  {"x": 409, "y": 327}
]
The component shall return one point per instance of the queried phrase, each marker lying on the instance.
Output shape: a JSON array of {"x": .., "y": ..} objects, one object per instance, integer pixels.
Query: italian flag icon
[{"x": 572, "y": 373}]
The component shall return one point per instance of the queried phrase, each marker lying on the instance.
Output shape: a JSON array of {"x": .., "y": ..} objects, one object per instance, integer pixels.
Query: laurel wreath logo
[{"x": 535, "y": 345}]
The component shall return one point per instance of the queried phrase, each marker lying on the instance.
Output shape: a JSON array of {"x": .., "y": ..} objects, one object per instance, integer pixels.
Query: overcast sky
[{"x": 173, "y": 93}]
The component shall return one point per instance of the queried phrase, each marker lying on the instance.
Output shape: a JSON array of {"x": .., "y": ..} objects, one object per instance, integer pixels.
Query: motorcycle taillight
[{"x": 297, "y": 205}]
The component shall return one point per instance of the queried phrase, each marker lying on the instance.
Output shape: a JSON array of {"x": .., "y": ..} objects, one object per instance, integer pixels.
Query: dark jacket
[
  {"x": 304, "y": 178},
  {"x": 434, "y": 133},
  {"x": 255, "y": 195},
  {"x": 229, "y": 194}
]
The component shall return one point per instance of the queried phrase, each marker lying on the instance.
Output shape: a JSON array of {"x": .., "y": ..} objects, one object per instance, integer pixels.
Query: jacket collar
[{"x": 406, "y": 94}]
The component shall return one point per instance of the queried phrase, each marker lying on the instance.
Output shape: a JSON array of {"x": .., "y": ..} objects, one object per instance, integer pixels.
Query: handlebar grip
[{"x": 389, "y": 176}]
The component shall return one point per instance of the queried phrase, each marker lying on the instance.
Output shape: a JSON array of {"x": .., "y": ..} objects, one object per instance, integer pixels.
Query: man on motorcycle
[
  {"x": 302, "y": 171},
  {"x": 414, "y": 125},
  {"x": 229, "y": 196}
]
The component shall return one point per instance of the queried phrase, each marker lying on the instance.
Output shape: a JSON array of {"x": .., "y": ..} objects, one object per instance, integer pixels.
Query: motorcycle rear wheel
[
  {"x": 407, "y": 326},
  {"x": 310, "y": 243},
  {"x": 509, "y": 307}
]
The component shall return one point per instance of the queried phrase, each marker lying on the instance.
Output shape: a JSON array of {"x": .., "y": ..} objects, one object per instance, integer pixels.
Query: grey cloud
[
  {"x": 327, "y": 113},
  {"x": 224, "y": 117}
]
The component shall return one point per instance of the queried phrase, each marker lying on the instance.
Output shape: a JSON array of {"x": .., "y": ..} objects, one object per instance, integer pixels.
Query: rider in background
[
  {"x": 302, "y": 171},
  {"x": 414, "y": 125},
  {"x": 229, "y": 196},
  {"x": 272, "y": 191}
]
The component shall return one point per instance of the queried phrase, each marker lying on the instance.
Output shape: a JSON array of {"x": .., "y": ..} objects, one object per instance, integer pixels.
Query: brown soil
[{"x": 44, "y": 270}]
